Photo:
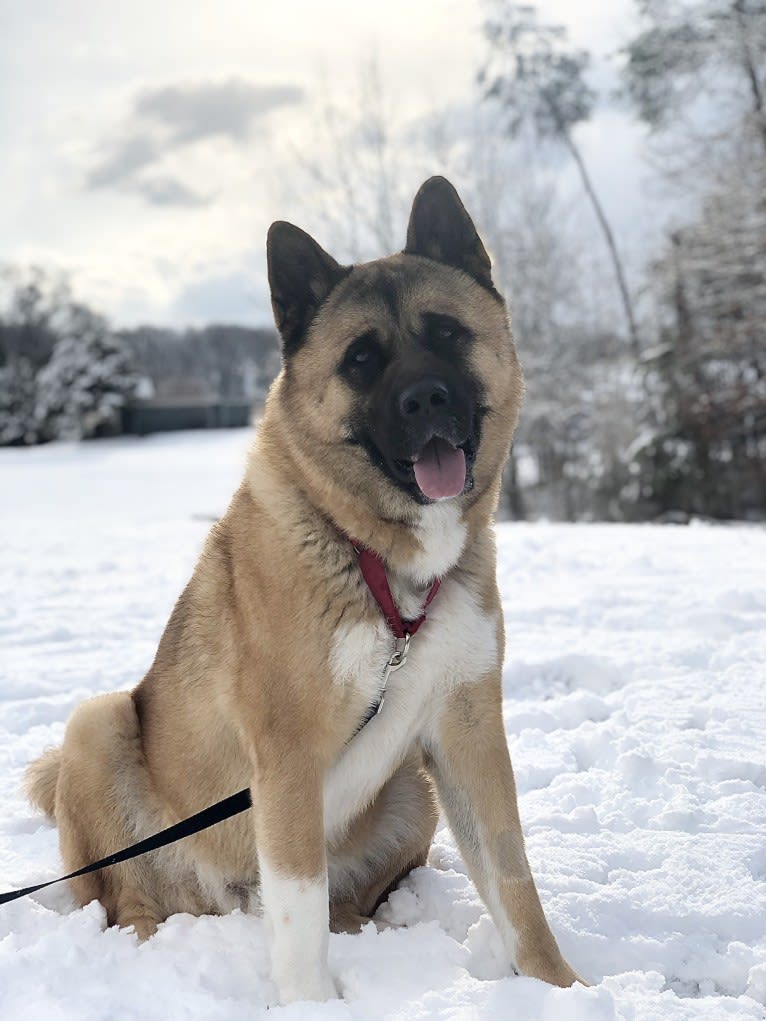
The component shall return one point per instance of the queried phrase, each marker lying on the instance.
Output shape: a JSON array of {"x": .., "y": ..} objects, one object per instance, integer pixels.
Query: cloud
[
  {"x": 165, "y": 120},
  {"x": 191, "y": 112},
  {"x": 126, "y": 158},
  {"x": 168, "y": 191}
]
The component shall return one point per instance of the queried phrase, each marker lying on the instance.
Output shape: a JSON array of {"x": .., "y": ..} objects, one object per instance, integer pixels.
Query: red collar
[{"x": 374, "y": 572}]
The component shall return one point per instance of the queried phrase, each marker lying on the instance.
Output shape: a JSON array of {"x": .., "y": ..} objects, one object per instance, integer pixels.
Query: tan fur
[
  {"x": 40, "y": 781},
  {"x": 472, "y": 738},
  {"x": 242, "y": 690}
]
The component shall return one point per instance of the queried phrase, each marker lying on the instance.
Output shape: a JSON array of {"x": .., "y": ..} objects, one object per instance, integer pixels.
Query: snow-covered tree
[
  {"x": 18, "y": 390},
  {"x": 63, "y": 374},
  {"x": 707, "y": 451},
  {"x": 82, "y": 389},
  {"x": 700, "y": 62},
  {"x": 696, "y": 74}
]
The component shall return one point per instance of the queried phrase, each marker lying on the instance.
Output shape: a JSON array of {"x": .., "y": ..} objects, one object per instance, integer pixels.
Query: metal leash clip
[{"x": 398, "y": 659}]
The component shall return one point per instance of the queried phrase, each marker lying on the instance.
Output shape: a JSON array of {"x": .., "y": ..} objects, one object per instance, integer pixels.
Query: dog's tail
[{"x": 40, "y": 781}]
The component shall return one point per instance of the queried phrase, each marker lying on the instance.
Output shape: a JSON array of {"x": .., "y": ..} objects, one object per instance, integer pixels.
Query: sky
[{"x": 147, "y": 146}]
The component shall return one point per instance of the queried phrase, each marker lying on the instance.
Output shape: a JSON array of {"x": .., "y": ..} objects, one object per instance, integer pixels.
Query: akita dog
[{"x": 297, "y": 662}]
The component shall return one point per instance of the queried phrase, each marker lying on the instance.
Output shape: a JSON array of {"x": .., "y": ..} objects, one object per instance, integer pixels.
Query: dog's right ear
[{"x": 301, "y": 275}]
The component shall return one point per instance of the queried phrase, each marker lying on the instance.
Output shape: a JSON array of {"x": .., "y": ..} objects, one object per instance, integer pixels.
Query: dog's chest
[
  {"x": 456, "y": 645},
  {"x": 360, "y": 652},
  {"x": 363, "y": 653}
]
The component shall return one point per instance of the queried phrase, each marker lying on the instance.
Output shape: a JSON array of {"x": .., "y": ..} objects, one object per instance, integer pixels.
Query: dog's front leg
[
  {"x": 467, "y": 754},
  {"x": 287, "y": 803}
]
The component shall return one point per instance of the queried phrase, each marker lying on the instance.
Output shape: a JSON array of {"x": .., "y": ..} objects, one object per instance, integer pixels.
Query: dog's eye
[
  {"x": 443, "y": 329},
  {"x": 363, "y": 357}
]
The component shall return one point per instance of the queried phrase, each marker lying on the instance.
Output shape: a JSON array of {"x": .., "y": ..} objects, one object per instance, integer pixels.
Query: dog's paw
[
  {"x": 297, "y": 988},
  {"x": 554, "y": 970}
]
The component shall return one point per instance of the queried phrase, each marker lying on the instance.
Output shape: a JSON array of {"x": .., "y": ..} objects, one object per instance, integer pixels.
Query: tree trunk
[
  {"x": 756, "y": 90},
  {"x": 515, "y": 498},
  {"x": 609, "y": 236}
]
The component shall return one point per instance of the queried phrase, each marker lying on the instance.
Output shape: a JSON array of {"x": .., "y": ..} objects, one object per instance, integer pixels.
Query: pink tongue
[{"x": 440, "y": 470}]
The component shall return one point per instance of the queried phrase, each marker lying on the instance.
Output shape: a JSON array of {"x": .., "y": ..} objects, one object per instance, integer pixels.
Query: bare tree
[
  {"x": 352, "y": 178},
  {"x": 540, "y": 84},
  {"x": 33, "y": 307}
]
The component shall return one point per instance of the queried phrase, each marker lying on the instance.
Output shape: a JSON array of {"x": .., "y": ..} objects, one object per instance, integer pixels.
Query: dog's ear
[
  {"x": 301, "y": 275},
  {"x": 441, "y": 229}
]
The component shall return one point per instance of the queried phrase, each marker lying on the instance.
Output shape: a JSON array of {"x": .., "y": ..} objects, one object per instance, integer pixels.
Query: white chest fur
[
  {"x": 457, "y": 644},
  {"x": 441, "y": 533}
]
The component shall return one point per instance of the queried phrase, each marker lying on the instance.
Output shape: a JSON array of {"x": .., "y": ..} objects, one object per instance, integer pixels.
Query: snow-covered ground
[{"x": 635, "y": 710}]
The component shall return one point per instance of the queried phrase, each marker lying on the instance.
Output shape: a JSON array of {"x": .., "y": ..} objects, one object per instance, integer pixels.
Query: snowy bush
[
  {"x": 63, "y": 373},
  {"x": 17, "y": 403},
  {"x": 81, "y": 391}
]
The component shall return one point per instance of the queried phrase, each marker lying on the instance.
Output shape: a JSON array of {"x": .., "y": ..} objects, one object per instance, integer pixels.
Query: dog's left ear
[
  {"x": 301, "y": 275},
  {"x": 441, "y": 229}
]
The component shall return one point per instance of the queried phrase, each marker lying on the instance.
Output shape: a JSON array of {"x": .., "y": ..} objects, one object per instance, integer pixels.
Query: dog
[{"x": 382, "y": 441}]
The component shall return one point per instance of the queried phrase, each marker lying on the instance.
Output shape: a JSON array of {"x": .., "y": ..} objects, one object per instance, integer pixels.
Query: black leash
[{"x": 225, "y": 809}]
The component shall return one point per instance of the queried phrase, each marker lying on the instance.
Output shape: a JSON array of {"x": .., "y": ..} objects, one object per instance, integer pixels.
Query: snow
[{"x": 634, "y": 710}]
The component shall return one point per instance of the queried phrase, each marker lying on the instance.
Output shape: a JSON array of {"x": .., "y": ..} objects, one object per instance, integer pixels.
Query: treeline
[{"x": 217, "y": 362}]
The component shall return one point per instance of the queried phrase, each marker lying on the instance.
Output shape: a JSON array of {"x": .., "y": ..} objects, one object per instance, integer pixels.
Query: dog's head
[{"x": 400, "y": 378}]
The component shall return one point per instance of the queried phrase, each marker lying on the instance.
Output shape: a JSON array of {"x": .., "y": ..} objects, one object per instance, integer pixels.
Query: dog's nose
[{"x": 427, "y": 396}]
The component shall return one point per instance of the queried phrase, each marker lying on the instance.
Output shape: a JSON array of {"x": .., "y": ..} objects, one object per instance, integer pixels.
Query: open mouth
[{"x": 440, "y": 470}]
